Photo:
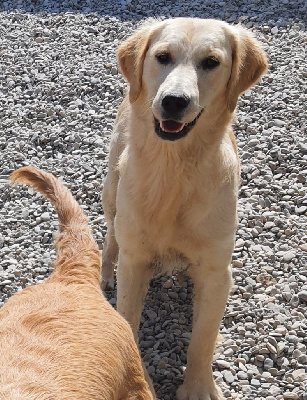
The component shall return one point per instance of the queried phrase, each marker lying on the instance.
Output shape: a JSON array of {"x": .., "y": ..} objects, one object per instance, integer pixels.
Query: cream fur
[{"x": 174, "y": 202}]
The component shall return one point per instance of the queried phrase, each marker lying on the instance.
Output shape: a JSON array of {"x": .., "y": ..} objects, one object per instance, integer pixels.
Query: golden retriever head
[{"x": 189, "y": 68}]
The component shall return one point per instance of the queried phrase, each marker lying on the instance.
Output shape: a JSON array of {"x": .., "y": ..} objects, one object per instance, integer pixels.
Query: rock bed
[{"x": 60, "y": 89}]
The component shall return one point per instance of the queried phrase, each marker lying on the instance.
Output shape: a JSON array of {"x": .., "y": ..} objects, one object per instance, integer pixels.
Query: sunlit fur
[
  {"x": 171, "y": 205},
  {"x": 61, "y": 339}
]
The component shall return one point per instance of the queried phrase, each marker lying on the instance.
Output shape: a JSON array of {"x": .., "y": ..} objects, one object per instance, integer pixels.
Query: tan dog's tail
[{"x": 78, "y": 259}]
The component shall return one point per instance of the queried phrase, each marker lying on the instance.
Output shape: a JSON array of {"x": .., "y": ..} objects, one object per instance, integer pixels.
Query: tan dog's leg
[
  {"x": 109, "y": 257},
  {"x": 110, "y": 248},
  {"x": 133, "y": 276},
  {"x": 211, "y": 287}
]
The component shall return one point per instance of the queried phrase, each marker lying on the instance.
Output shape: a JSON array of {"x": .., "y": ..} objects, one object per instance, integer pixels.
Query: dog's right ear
[{"x": 131, "y": 54}]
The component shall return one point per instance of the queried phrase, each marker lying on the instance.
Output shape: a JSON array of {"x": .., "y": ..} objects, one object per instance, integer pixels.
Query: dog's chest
[{"x": 170, "y": 197}]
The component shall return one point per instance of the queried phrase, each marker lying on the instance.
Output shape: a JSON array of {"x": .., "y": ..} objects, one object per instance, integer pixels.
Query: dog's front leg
[
  {"x": 133, "y": 276},
  {"x": 109, "y": 257},
  {"x": 110, "y": 248},
  {"x": 211, "y": 287}
]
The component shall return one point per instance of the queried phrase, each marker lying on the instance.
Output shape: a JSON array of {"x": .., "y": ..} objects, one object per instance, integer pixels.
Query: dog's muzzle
[{"x": 173, "y": 130}]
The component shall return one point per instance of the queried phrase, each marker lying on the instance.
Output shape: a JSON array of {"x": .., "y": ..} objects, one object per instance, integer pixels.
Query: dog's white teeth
[{"x": 171, "y": 126}]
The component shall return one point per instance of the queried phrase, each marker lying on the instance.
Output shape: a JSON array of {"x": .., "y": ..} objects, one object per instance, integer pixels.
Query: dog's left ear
[
  {"x": 249, "y": 62},
  {"x": 131, "y": 54}
]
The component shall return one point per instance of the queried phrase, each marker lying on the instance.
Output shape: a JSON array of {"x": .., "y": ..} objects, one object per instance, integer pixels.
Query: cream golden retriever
[
  {"x": 171, "y": 191},
  {"x": 61, "y": 340}
]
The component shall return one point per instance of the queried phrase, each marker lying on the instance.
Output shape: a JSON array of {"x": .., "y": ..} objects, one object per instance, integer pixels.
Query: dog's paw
[
  {"x": 199, "y": 392},
  {"x": 107, "y": 285}
]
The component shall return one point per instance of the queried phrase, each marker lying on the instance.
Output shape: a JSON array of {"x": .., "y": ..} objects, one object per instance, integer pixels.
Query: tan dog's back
[{"x": 62, "y": 339}]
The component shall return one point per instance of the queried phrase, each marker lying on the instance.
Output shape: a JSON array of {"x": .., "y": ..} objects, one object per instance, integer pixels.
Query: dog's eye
[
  {"x": 164, "y": 58},
  {"x": 209, "y": 63}
]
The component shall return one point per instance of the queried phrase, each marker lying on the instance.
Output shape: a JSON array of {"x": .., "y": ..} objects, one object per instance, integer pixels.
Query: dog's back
[{"x": 61, "y": 339}]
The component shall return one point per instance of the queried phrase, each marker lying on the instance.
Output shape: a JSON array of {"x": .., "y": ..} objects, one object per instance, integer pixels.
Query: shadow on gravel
[
  {"x": 165, "y": 358},
  {"x": 164, "y": 333},
  {"x": 255, "y": 11}
]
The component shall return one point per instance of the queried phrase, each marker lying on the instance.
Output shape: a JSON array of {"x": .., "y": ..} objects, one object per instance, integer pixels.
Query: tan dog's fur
[
  {"x": 173, "y": 203},
  {"x": 61, "y": 340}
]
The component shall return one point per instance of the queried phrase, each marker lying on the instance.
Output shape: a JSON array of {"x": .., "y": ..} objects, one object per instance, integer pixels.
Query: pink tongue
[{"x": 171, "y": 126}]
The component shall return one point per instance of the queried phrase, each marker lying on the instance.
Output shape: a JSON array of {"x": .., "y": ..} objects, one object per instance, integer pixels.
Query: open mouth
[{"x": 173, "y": 130}]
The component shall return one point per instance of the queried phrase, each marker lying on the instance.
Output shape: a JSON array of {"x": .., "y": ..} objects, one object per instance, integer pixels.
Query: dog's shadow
[{"x": 164, "y": 333}]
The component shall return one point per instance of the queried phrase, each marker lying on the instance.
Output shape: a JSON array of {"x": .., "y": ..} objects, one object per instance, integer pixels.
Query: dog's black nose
[{"x": 175, "y": 104}]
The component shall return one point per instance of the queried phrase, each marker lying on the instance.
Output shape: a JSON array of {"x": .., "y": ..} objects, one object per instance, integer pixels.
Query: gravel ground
[{"x": 60, "y": 89}]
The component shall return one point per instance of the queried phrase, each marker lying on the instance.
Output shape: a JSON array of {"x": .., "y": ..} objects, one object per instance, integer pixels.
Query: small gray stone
[
  {"x": 228, "y": 376},
  {"x": 152, "y": 315},
  {"x": 45, "y": 216},
  {"x": 151, "y": 370},
  {"x": 300, "y": 210},
  {"x": 223, "y": 363},
  {"x": 299, "y": 375},
  {"x": 242, "y": 375},
  {"x": 255, "y": 382},
  {"x": 228, "y": 352},
  {"x": 268, "y": 363},
  {"x": 290, "y": 395},
  {"x": 274, "y": 30},
  {"x": 161, "y": 365},
  {"x": 5, "y": 282},
  {"x": 289, "y": 256},
  {"x": 168, "y": 284},
  {"x": 302, "y": 295}
]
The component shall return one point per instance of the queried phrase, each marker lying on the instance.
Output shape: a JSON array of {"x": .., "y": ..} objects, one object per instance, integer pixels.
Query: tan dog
[
  {"x": 171, "y": 191},
  {"x": 61, "y": 340}
]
